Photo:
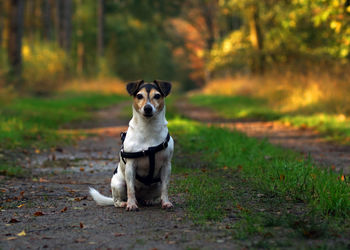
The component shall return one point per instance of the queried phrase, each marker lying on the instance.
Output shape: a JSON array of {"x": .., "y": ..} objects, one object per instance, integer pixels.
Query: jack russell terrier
[{"x": 143, "y": 172}]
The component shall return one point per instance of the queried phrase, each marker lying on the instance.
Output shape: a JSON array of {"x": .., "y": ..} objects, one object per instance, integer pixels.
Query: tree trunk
[
  {"x": 256, "y": 37},
  {"x": 15, "y": 28},
  {"x": 67, "y": 25},
  {"x": 209, "y": 14},
  {"x": 64, "y": 23},
  {"x": 100, "y": 28},
  {"x": 46, "y": 19},
  {"x": 1, "y": 23},
  {"x": 59, "y": 22}
]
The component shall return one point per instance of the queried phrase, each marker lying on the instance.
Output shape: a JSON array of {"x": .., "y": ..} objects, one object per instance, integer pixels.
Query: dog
[{"x": 143, "y": 172}]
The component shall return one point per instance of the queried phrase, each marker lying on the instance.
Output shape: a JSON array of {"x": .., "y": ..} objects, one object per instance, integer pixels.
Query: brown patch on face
[
  {"x": 140, "y": 102},
  {"x": 156, "y": 99}
]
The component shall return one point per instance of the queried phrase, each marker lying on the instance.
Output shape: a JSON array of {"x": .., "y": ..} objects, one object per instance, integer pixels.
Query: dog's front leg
[
  {"x": 130, "y": 173},
  {"x": 165, "y": 177}
]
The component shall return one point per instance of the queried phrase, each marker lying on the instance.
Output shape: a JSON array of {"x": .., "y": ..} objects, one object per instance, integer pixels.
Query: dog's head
[{"x": 148, "y": 97}]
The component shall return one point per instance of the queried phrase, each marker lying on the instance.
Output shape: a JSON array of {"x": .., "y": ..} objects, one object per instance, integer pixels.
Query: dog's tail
[{"x": 99, "y": 198}]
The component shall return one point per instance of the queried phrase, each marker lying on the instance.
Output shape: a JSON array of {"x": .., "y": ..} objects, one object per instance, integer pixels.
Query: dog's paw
[
  {"x": 131, "y": 207},
  {"x": 167, "y": 205},
  {"x": 120, "y": 204}
]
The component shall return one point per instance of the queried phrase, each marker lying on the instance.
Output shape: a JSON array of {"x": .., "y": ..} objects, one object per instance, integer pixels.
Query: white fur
[
  {"x": 99, "y": 198},
  {"x": 142, "y": 133}
]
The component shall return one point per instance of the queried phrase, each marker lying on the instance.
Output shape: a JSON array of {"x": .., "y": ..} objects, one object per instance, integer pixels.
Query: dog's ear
[
  {"x": 132, "y": 87},
  {"x": 164, "y": 87}
]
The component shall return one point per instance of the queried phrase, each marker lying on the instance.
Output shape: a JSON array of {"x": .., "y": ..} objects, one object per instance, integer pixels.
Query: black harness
[{"x": 150, "y": 152}]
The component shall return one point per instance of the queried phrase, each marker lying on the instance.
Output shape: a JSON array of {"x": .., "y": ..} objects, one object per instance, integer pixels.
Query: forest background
[{"x": 295, "y": 53}]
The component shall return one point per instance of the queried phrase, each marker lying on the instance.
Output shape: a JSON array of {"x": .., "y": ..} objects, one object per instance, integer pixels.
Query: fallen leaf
[
  {"x": 13, "y": 220},
  {"x": 19, "y": 206},
  {"x": 38, "y": 213},
  {"x": 64, "y": 210},
  {"x": 23, "y": 233},
  {"x": 282, "y": 177},
  {"x": 37, "y": 151},
  {"x": 79, "y": 240},
  {"x": 80, "y": 198},
  {"x": 81, "y": 225},
  {"x": 82, "y": 169},
  {"x": 225, "y": 167},
  {"x": 239, "y": 207},
  {"x": 239, "y": 168},
  {"x": 119, "y": 234},
  {"x": 11, "y": 238},
  {"x": 43, "y": 180}
]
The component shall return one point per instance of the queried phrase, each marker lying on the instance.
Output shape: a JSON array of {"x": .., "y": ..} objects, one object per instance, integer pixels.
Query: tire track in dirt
[
  {"x": 52, "y": 208},
  {"x": 306, "y": 141}
]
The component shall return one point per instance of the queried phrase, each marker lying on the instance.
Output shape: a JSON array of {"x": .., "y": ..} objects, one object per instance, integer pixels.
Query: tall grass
[{"x": 301, "y": 92}]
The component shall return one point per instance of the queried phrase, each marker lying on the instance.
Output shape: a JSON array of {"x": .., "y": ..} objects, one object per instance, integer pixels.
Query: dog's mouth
[{"x": 148, "y": 115}]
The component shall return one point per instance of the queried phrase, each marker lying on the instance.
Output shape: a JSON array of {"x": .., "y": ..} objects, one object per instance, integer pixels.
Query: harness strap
[{"x": 151, "y": 153}]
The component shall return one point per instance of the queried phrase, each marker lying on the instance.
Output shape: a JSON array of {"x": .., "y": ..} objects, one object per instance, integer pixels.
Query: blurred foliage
[
  {"x": 313, "y": 31},
  {"x": 44, "y": 67},
  {"x": 187, "y": 41}
]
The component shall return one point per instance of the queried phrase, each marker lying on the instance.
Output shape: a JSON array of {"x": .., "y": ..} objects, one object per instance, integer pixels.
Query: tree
[
  {"x": 14, "y": 46},
  {"x": 256, "y": 37},
  {"x": 46, "y": 19},
  {"x": 64, "y": 23},
  {"x": 100, "y": 27}
]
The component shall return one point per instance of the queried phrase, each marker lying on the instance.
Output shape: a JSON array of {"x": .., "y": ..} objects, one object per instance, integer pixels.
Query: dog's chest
[
  {"x": 135, "y": 142},
  {"x": 142, "y": 165}
]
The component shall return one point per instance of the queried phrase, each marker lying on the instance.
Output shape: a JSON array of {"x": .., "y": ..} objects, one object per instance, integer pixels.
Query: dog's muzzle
[{"x": 148, "y": 110}]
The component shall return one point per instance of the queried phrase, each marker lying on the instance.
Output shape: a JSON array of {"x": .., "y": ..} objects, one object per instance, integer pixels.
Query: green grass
[
  {"x": 259, "y": 194},
  {"x": 11, "y": 170},
  {"x": 237, "y": 106},
  {"x": 33, "y": 122},
  {"x": 269, "y": 168},
  {"x": 335, "y": 127}
]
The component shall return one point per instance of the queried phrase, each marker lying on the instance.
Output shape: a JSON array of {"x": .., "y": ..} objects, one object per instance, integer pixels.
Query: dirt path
[
  {"x": 50, "y": 208},
  {"x": 306, "y": 141}
]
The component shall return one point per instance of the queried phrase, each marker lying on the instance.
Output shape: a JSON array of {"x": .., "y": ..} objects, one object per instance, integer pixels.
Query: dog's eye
[
  {"x": 157, "y": 96},
  {"x": 139, "y": 96}
]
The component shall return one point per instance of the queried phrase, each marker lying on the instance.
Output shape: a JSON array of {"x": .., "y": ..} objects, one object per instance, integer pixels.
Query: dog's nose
[{"x": 148, "y": 109}]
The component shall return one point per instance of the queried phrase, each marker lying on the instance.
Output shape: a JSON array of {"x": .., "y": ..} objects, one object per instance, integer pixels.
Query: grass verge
[
  {"x": 335, "y": 127},
  {"x": 270, "y": 168},
  {"x": 255, "y": 189},
  {"x": 33, "y": 122}
]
